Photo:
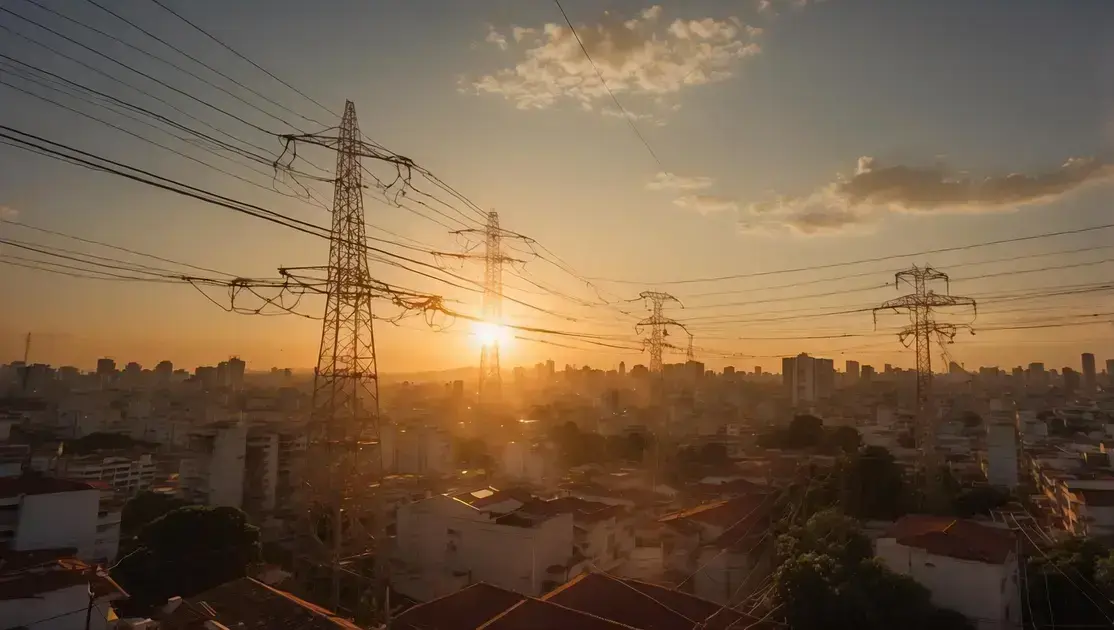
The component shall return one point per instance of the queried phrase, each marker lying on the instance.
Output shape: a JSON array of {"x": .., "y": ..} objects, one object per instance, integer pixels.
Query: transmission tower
[
  {"x": 344, "y": 427},
  {"x": 920, "y": 332},
  {"x": 491, "y": 379},
  {"x": 658, "y": 323},
  {"x": 689, "y": 354}
]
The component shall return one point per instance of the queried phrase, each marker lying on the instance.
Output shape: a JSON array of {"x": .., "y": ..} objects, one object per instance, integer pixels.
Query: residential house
[
  {"x": 968, "y": 567},
  {"x": 52, "y": 590},
  {"x": 247, "y": 603}
]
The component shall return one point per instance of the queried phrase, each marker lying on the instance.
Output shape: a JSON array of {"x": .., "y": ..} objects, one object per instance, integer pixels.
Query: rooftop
[
  {"x": 249, "y": 603},
  {"x": 643, "y": 605},
  {"x": 955, "y": 538},
  {"x": 33, "y": 579},
  {"x": 536, "y": 614},
  {"x": 33, "y": 484},
  {"x": 469, "y": 607},
  {"x": 581, "y": 510}
]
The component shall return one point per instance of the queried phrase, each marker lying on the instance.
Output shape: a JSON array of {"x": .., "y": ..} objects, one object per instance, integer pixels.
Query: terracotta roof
[
  {"x": 735, "y": 514},
  {"x": 955, "y": 538},
  {"x": 33, "y": 484},
  {"x": 536, "y": 614},
  {"x": 252, "y": 604},
  {"x": 467, "y": 608},
  {"x": 642, "y": 605}
]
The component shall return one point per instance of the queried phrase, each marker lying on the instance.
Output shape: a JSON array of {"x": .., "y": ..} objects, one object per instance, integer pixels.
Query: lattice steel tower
[
  {"x": 491, "y": 377},
  {"x": 658, "y": 323},
  {"x": 921, "y": 330},
  {"x": 344, "y": 429}
]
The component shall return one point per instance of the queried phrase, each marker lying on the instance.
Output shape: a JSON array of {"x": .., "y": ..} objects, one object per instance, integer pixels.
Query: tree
[
  {"x": 828, "y": 575},
  {"x": 1069, "y": 584},
  {"x": 872, "y": 484},
  {"x": 981, "y": 500},
  {"x": 714, "y": 454},
  {"x": 971, "y": 419},
  {"x": 846, "y": 439},
  {"x": 187, "y": 551},
  {"x": 146, "y": 507}
]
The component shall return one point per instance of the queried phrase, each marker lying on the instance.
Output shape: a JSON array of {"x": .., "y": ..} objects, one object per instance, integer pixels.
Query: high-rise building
[
  {"x": 1110, "y": 372},
  {"x": 1071, "y": 381},
  {"x": 758, "y": 370},
  {"x": 852, "y": 370},
  {"x": 1090, "y": 383},
  {"x": 1037, "y": 376},
  {"x": 236, "y": 368},
  {"x": 622, "y": 368},
  {"x": 551, "y": 369},
  {"x": 886, "y": 369},
  {"x": 867, "y": 373},
  {"x": 807, "y": 379},
  {"x": 106, "y": 367},
  {"x": 163, "y": 372},
  {"x": 729, "y": 371}
]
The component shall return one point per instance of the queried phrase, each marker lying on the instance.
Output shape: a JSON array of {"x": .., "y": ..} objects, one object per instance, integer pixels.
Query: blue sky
[{"x": 760, "y": 115}]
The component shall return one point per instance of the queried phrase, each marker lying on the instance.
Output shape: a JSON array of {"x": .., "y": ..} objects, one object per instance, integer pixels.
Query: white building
[
  {"x": 48, "y": 513},
  {"x": 53, "y": 593},
  {"x": 969, "y": 568},
  {"x": 1001, "y": 464},
  {"x": 525, "y": 462},
  {"x": 128, "y": 475},
  {"x": 231, "y": 464},
  {"x": 807, "y": 379},
  {"x": 416, "y": 450},
  {"x": 447, "y": 542}
]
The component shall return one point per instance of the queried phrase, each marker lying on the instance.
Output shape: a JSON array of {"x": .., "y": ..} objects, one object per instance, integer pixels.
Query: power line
[
  {"x": 863, "y": 261},
  {"x": 623, "y": 110},
  {"x": 235, "y": 52}
]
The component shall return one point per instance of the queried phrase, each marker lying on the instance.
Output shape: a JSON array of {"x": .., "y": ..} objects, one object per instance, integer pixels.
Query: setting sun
[{"x": 490, "y": 334}]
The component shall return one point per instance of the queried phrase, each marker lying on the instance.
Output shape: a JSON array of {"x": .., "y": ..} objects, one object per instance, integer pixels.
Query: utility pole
[
  {"x": 922, "y": 328},
  {"x": 658, "y": 323},
  {"x": 689, "y": 354},
  {"x": 344, "y": 456}
]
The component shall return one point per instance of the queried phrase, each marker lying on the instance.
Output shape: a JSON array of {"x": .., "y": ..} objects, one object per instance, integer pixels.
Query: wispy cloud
[
  {"x": 671, "y": 181},
  {"x": 874, "y": 190},
  {"x": 643, "y": 55},
  {"x": 706, "y": 204},
  {"x": 8, "y": 213}
]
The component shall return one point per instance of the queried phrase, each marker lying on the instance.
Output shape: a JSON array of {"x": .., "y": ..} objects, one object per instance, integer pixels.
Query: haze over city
[{"x": 593, "y": 314}]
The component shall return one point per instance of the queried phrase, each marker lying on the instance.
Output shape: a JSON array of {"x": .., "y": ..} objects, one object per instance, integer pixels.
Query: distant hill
[{"x": 465, "y": 374}]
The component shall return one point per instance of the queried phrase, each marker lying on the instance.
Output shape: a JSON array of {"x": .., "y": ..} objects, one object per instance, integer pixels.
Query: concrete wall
[
  {"x": 987, "y": 594},
  {"x": 63, "y": 519},
  {"x": 63, "y": 609},
  {"x": 226, "y": 467}
]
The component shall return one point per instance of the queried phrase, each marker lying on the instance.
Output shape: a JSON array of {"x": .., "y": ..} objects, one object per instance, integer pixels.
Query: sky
[{"x": 753, "y": 137}]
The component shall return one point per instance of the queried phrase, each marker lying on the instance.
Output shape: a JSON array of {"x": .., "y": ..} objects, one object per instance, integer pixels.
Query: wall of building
[
  {"x": 226, "y": 468},
  {"x": 1001, "y": 454},
  {"x": 49, "y": 611},
  {"x": 62, "y": 519},
  {"x": 987, "y": 594}
]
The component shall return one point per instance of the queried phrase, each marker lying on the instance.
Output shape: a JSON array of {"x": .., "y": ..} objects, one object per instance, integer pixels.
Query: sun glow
[{"x": 491, "y": 334}]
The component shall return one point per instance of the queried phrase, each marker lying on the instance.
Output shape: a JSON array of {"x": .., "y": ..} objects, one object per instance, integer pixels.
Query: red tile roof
[
  {"x": 33, "y": 484},
  {"x": 955, "y": 538},
  {"x": 467, "y": 608},
  {"x": 643, "y": 605},
  {"x": 739, "y": 516},
  {"x": 535, "y": 614}
]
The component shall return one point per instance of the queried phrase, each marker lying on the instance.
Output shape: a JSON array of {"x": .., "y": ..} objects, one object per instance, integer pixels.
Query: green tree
[
  {"x": 1069, "y": 584},
  {"x": 144, "y": 508},
  {"x": 846, "y": 439},
  {"x": 872, "y": 484},
  {"x": 187, "y": 551},
  {"x": 828, "y": 533},
  {"x": 977, "y": 501}
]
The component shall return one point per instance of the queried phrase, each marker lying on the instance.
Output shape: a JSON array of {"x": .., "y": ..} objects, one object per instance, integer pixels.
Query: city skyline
[{"x": 830, "y": 173}]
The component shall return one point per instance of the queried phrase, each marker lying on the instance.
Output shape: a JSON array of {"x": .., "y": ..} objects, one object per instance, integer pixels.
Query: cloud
[
  {"x": 670, "y": 181},
  {"x": 706, "y": 204},
  {"x": 635, "y": 116},
  {"x": 497, "y": 38},
  {"x": 8, "y": 213},
  {"x": 874, "y": 190},
  {"x": 643, "y": 55}
]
